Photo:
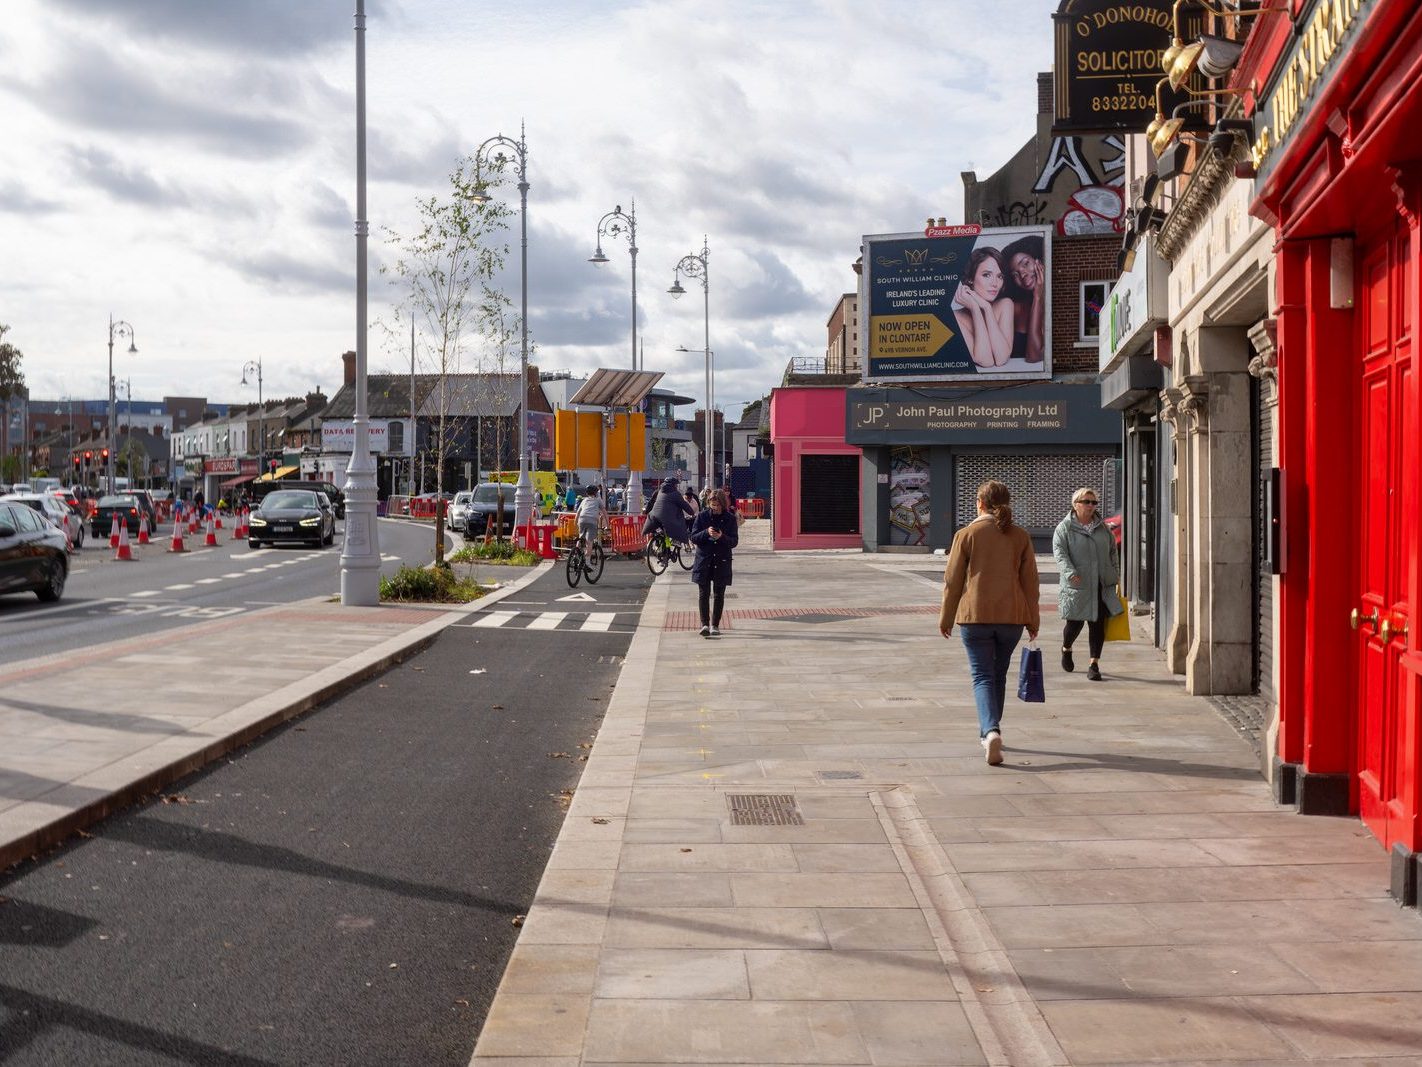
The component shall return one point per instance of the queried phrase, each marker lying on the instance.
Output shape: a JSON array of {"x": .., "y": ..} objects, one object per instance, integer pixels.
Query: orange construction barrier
[
  {"x": 626, "y": 534},
  {"x": 752, "y": 508}
]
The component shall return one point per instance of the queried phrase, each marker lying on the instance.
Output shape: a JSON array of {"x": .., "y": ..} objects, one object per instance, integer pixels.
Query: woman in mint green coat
[{"x": 1086, "y": 558}]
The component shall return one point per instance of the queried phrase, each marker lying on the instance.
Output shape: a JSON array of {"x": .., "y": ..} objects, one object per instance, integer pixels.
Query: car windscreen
[
  {"x": 489, "y": 494},
  {"x": 463, "y": 498},
  {"x": 288, "y": 498},
  {"x": 117, "y": 502}
]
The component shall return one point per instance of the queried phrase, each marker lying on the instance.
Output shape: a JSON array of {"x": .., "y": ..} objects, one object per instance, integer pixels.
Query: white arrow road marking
[{"x": 579, "y": 597}]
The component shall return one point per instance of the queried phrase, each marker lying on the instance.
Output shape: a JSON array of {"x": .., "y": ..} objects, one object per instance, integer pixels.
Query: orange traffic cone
[
  {"x": 210, "y": 541},
  {"x": 114, "y": 529},
  {"x": 192, "y": 520},
  {"x": 177, "y": 545},
  {"x": 218, "y": 516},
  {"x": 123, "y": 551},
  {"x": 237, "y": 532},
  {"x": 246, "y": 522},
  {"x": 142, "y": 530}
]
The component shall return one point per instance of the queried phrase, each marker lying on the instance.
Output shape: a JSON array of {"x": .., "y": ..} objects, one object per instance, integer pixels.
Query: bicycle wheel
[
  {"x": 575, "y": 566},
  {"x": 686, "y": 556},
  {"x": 592, "y": 567},
  {"x": 657, "y": 555}
]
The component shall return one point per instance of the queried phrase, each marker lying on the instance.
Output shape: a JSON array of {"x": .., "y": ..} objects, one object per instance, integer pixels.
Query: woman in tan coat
[{"x": 990, "y": 590}]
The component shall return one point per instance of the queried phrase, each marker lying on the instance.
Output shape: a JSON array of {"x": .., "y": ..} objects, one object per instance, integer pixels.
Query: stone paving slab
[{"x": 1122, "y": 890}]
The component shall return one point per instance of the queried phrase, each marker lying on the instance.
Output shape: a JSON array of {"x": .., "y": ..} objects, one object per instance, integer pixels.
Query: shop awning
[
  {"x": 239, "y": 480},
  {"x": 280, "y": 472}
]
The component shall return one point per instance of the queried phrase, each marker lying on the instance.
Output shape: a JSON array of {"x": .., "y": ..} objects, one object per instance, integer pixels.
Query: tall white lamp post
[
  {"x": 254, "y": 366},
  {"x": 360, "y": 550},
  {"x": 618, "y": 223},
  {"x": 523, "y": 491},
  {"x": 695, "y": 265},
  {"x": 116, "y": 329}
]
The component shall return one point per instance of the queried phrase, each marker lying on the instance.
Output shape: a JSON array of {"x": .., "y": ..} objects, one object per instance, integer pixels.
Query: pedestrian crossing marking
[
  {"x": 495, "y": 618},
  {"x": 599, "y": 620},
  {"x": 548, "y": 620},
  {"x": 563, "y": 621}
]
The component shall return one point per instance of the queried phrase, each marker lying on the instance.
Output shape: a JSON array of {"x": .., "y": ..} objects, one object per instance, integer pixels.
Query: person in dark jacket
[
  {"x": 668, "y": 511},
  {"x": 714, "y": 534}
]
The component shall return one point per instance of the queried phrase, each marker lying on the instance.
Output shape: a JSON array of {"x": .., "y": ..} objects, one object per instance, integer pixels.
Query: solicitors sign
[{"x": 1109, "y": 57}]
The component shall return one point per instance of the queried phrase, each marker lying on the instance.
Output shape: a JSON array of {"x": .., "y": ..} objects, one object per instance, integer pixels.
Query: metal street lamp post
[
  {"x": 617, "y": 223},
  {"x": 116, "y": 329},
  {"x": 695, "y": 265},
  {"x": 254, "y": 366},
  {"x": 523, "y": 490},
  {"x": 360, "y": 548}
]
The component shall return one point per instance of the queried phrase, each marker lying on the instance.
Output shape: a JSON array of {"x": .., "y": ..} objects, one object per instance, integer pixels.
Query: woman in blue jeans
[{"x": 990, "y": 590}]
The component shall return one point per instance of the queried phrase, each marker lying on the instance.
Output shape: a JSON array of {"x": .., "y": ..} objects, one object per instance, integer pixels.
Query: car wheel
[
  {"x": 254, "y": 544},
  {"x": 53, "y": 587}
]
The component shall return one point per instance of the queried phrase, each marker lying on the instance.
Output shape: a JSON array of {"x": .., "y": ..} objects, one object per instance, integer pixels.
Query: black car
[
  {"x": 481, "y": 518},
  {"x": 292, "y": 515},
  {"x": 127, "y": 508},
  {"x": 34, "y": 553},
  {"x": 333, "y": 494}
]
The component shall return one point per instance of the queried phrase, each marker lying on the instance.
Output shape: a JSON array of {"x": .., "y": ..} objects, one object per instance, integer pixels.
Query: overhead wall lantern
[
  {"x": 1162, "y": 131},
  {"x": 1211, "y": 55}
]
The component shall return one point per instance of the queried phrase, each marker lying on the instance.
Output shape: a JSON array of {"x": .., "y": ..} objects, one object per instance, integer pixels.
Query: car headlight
[
  {"x": 311, "y": 522},
  {"x": 255, "y": 521}
]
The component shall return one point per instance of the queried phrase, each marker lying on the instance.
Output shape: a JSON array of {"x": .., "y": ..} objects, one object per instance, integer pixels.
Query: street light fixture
[
  {"x": 254, "y": 366},
  {"x": 696, "y": 265},
  {"x": 619, "y": 223},
  {"x": 523, "y": 490},
  {"x": 116, "y": 329}
]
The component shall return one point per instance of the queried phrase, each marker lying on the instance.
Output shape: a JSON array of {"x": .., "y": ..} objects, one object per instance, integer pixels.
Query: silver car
[
  {"x": 56, "y": 511},
  {"x": 459, "y": 510}
]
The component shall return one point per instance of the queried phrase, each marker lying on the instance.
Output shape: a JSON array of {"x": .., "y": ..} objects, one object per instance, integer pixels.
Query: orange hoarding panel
[{"x": 577, "y": 440}]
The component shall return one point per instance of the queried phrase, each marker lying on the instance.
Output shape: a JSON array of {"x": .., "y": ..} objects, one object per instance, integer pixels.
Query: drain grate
[
  {"x": 840, "y": 775},
  {"x": 764, "y": 809}
]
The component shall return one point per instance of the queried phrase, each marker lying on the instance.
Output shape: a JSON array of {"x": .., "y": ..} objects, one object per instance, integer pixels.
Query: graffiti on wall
[
  {"x": 909, "y": 496},
  {"x": 1098, "y": 205}
]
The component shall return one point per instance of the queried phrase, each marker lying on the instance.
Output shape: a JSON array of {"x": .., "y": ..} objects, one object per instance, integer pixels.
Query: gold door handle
[
  {"x": 1358, "y": 618},
  {"x": 1385, "y": 631}
]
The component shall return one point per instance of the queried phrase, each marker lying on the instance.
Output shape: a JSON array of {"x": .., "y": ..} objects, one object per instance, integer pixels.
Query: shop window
[
  {"x": 395, "y": 440},
  {"x": 829, "y": 494},
  {"x": 910, "y": 498},
  {"x": 1088, "y": 312}
]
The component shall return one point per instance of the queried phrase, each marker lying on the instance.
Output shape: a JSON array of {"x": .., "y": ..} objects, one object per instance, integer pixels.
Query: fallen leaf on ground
[
  {"x": 517, "y": 920},
  {"x": 175, "y": 798},
  {"x": 558, "y": 755},
  {"x": 461, "y": 1002},
  {"x": 393, "y": 966},
  {"x": 600, "y": 820},
  {"x": 686, "y": 850}
]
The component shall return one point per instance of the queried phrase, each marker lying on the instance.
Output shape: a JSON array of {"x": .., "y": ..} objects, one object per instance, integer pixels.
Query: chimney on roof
[
  {"x": 348, "y": 358},
  {"x": 316, "y": 399},
  {"x": 1046, "y": 95}
]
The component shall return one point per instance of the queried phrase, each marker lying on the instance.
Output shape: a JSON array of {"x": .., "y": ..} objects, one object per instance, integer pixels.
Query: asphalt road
[
  {"x": 107, "y": 600},
  {"x": 342, "y": 892}
]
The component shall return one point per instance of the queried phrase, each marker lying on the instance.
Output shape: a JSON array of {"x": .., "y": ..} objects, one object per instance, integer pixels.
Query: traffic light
[
  {"x": 88, "y": 458},
  {"x": 77, "y": 462},
  {"x": 105, "y": 455}
]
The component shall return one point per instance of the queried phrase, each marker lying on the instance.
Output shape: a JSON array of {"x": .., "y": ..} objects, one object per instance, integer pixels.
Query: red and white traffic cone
[
  {"x": 237, "y": 533},
  {"x": 192, "y": 520},
  {"x": 246, "y": 522},
  {"x": 210, "y": 541},
  {"x": 122, "y": 550},
  {"x": 114, "y": 529},
  {"x": 218, "y": 516},
  {"x": 142, "y": 530},
  {"x": 177, "y": 545}
]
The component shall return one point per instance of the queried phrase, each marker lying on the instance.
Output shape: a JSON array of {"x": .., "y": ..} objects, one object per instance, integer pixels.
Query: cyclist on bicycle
[
  {"x": 667, "y": 510},
  {"x": 592, "y": 517}
]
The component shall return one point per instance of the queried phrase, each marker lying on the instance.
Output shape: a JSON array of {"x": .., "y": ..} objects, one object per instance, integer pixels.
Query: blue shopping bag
[{"x": 1031, "y": 686}]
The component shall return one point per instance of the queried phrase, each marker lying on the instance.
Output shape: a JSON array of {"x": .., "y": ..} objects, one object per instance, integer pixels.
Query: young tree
[
  {"x": 12, "y": 384},
  {"x": 443, "y": 268}
]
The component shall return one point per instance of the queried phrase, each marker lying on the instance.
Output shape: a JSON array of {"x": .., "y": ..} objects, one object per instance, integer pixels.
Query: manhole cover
[
  {"x": 763, "y": 809},
  {"x": 840, "y": 775}
]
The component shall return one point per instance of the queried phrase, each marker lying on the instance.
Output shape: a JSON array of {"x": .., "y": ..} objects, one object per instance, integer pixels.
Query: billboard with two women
[{"x": 957, "y": 303}]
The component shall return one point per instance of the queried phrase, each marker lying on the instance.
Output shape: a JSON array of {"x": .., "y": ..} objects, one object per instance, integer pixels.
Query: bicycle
[
  {"x": 661, "y": 550},
  {"x": 585, "y": 564}
]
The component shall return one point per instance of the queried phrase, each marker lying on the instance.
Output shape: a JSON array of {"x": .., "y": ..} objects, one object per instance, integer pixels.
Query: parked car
[
  {"x": 292, "y": 515},
  {"x": 484, "y": 507},
  {"x": 459, "y": 509},
  {"x": 125, "y": 508},
  {"x": 56, "y": 511},
  {"x": 34, "y": 553},
  {"x": 148, "y": 507}
]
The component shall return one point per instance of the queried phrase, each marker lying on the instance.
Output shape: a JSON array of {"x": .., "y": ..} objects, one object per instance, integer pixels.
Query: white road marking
[
  {"x": 180, "y": 585},
  {"x": 495, "y": 618},
  {"x": 146, "y": 592},
  {"x": 599, "y": 620},
  {"x": 547, "y": 620},
  {"x": 254, "y": 570},
  {"x": 207, "y": 581},
  {"x": 234, "y": 574}
]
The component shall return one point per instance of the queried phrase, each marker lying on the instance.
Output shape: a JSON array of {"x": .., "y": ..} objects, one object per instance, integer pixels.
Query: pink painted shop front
[{"x": 817, "y": 475}]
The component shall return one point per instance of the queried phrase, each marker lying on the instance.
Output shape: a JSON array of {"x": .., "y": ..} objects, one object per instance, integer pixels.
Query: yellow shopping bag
[{"x": 1118, "y": 627}]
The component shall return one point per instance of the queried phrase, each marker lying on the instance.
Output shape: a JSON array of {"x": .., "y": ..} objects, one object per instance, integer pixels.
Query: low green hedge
[
  {"x": 436, "y": 584},
  {"x": 502, "y": 552}
]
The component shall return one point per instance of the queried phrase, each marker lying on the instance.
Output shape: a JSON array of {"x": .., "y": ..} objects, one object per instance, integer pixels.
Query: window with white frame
[{"x": 1088, "y": 311}]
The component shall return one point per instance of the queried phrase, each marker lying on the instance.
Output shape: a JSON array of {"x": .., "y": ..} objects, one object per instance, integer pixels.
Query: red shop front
[{"x": 1339, "y": 162}]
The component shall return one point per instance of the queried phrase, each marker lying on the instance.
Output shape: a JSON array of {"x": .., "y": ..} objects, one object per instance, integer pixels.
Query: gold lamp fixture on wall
[{"x": 1211, "y": 55}]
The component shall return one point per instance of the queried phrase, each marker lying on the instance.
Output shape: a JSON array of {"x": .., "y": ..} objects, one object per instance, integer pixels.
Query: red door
[{"x": 1390, "y": 668}]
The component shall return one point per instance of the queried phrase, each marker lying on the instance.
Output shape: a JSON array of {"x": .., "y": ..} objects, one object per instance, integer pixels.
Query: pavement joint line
[
  {"x": 256, "y": 717},
  {"x": 1008, "y": 1025}
]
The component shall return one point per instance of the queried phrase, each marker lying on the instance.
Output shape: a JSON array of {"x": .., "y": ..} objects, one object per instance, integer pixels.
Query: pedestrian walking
[
  {"x": 715, "y": 535},
  {"x": 1086, "y": 556},
  {"x": 990, "y": 590},
  {"x": 690, "y": 497}
]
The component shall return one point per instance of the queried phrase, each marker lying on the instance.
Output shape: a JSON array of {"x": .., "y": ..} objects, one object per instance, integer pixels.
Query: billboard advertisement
[{"x": 958, "y": 303}]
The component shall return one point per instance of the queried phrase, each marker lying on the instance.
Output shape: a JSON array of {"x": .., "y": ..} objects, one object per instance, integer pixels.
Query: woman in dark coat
[{"x": 714, "y": 534}]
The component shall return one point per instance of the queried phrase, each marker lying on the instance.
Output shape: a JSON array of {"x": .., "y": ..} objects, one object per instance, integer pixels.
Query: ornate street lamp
[
  {"x": 523, "y": 490},
  {"x": 254, "y": 366},
  {"x": 695, "y": 265},
  {"x": 116, "y": 329},
  {"x": 619, "y": 223}
]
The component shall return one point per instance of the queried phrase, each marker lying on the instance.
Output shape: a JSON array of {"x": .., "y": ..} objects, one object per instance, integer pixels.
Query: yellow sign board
[
  {"x": 578, "y": 437},
  {"x": 917, "y": 334}
]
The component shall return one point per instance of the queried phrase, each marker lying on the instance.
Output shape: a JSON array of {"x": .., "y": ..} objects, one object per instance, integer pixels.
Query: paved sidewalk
[
  {"x": 1122, "y": 890},
  {"x": 83, "y": 734}
]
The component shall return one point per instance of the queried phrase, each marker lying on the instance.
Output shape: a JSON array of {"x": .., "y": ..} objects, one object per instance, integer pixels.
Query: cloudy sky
[{"x": 189, "y": 166}]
